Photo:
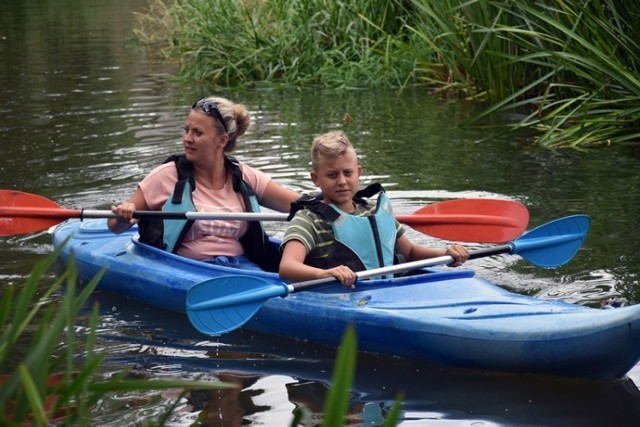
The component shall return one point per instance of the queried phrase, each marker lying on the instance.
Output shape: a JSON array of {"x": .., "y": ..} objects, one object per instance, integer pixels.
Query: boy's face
[{"x": 338, "y": 179}]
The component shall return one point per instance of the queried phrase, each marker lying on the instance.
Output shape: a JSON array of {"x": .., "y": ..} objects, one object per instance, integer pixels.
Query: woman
[{"x": 206, "y": 179}]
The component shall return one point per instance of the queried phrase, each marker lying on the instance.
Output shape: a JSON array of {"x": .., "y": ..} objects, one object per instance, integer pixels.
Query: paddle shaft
[
  {"x": 465, "y": 220},
  {"x": 225, "y": 303},
  {"x": 521, "y": 247},
  {"x": 62, "y": 214},
  {"x": 284, "y": 289},
  {"x": 404, "y": 267}
]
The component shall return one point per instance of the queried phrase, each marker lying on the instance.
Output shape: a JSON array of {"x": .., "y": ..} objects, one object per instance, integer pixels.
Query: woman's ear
[{"x": 224, "y": 139}]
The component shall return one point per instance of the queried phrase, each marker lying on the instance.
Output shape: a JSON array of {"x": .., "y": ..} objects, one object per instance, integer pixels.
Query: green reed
[
  {"x": 569, "y": 67},
  {"x": 336, "y": 406},
  {"x": 302, "y": 42},
  {"x": 50, "y": 371},
  {"x": 43, "y": 380}
]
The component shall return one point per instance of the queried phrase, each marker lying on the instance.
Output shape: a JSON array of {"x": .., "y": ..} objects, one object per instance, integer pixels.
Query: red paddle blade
[
  {"x": 19, "y": 213},
  {"x": 470, "y": 220}
]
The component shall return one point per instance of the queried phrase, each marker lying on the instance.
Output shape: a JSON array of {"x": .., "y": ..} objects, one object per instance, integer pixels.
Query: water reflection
[
  {"x": 226, "y": 407},
  {"x": 274, "y": 376}
]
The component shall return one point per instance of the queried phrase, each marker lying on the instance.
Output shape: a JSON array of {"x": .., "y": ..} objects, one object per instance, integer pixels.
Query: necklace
[{"x": 211, "y": 185}]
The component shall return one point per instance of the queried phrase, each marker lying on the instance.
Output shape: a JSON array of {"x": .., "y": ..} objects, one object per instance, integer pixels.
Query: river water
[{"x": 85, "y": 113}]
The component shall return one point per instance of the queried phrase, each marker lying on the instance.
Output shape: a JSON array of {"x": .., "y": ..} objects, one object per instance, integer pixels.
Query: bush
[{"x": 569, "y": 68}]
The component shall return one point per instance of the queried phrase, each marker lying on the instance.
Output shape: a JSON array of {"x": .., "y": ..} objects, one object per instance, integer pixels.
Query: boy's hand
[
  {"x": 344, "y": 275},
  {"x": 459, "y": 253}
]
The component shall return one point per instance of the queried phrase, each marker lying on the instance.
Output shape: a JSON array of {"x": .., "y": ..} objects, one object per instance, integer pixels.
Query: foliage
[
  {"x": 569, "y": 68},
  {"x": 337, "y": 403},
  {"x": 44, "y": 383},
  {"x": 42, "y": 380},
  {"x": 303, "y": 42}
]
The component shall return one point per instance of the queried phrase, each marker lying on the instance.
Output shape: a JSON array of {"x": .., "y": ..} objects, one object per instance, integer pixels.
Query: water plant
[
  {"x": 567, "y": 68},
  {"x": 337, "y": 403},
  {"x": 301, "y": 42},
  {"x": 50, "y": 371}
]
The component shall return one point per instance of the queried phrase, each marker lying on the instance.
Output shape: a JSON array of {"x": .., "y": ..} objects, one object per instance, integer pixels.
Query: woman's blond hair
[{"x": 236, "y": 117}]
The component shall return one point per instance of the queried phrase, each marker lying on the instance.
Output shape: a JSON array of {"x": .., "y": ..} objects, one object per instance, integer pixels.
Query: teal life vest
[
  {"x": 360, "y": 242},
  {"x": 168, "y": 234}
]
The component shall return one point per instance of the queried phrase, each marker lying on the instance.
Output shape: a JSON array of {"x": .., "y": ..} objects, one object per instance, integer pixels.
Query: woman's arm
[
  {"x": 125, "y": 212},
  {"x": 277, "y": 197}
]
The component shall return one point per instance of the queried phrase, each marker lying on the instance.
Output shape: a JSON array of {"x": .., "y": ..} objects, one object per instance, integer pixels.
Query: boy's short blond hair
[{"x": 329, "y": 145}]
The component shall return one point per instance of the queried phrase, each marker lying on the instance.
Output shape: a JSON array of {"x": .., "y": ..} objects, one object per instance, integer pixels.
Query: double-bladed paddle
[
  {"x": 464, "y": 220},
  {"x": 226, "y": 303}
]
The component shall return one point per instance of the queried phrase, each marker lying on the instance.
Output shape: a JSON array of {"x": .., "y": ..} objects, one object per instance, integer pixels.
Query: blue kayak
[{"x": 440, "y": 316}]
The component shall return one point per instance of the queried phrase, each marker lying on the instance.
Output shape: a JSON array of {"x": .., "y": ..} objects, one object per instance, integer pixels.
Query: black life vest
[
  {"x": 255, "y": 242},
  {"x": 359, "y": 243}
]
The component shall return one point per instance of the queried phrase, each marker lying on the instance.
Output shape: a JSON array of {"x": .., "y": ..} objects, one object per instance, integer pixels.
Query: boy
[{"x": 342, "y": 233}]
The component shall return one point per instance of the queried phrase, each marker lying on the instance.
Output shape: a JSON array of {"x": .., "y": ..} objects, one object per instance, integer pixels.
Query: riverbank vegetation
[
  {"x": 568, "y": 69},
  {"x": 52, "y": 371}
]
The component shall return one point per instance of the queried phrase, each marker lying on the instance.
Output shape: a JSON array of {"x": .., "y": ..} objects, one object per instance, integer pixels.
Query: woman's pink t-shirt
[{"x": 206, "y": 238}]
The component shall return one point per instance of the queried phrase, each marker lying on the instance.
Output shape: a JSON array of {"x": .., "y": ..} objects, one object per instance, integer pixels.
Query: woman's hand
[
  {"x": 125, "y": 211},
  {"x": 125, "y": 219}
]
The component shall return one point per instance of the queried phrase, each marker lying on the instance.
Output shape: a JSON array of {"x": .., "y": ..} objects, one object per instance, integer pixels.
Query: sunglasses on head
[{"x": 211, "y": 108}]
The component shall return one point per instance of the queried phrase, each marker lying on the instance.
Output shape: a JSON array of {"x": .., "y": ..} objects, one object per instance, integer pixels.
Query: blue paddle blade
[
  {"x": 220, "y": 305},
  {"x": 554, "y": 243}
]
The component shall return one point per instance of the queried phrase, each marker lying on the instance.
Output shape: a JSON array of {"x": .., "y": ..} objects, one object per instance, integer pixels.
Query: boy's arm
[
  {"x": 293, "y": 268},
  {"x": 413, "y": 252}
]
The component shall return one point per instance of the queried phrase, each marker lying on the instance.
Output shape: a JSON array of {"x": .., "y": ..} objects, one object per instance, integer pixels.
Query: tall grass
[
  {"x": 569, "y": 67},
  {"x": 48, "y": 373},
  {"x": 51, "y": 375},
  {"x": 302, "y": 42}
]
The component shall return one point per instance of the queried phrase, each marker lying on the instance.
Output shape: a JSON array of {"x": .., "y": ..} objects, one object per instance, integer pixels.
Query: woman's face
[{"x": 201, "y": 140}]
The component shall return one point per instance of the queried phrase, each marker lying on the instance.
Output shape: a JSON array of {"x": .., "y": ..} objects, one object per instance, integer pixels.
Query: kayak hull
[{"x": 440, "y": 316}]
